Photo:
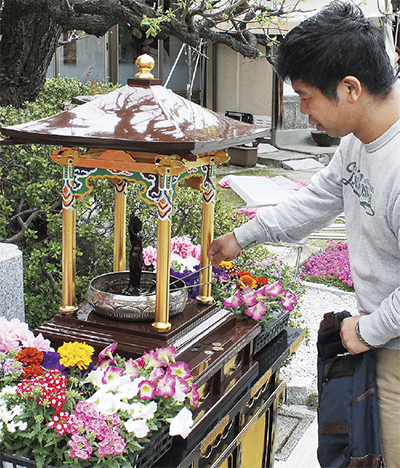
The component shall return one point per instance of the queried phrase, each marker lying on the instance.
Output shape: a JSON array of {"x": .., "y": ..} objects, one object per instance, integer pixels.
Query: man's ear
[{"x": 350, "y": 88}]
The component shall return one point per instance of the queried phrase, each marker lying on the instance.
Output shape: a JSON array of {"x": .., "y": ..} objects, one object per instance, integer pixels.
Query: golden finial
[{"x": 145, "y": 63}]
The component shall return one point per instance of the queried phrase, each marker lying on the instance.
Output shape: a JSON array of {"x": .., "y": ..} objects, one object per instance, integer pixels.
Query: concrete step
[{"x": 295, "y": 145}]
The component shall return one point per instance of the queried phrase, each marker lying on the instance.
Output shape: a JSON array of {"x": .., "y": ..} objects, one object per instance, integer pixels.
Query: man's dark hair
[{"x": 336, "y": 42}]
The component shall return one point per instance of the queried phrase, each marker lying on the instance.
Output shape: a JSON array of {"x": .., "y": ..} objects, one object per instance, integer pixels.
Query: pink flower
[
  {"x": 288, "y": 301},
  {"x": 147, "y": 390},
  {"x": 250, "y": 298},
  {"x": 182, "y": 388},
  {"x": 257, "y": 311},
  {"x": 111, "y": 373},
  {"x": 131, "y": 368},
  {"x": 16, "y": 335},
  {"x": 196, "y": 252},
  {"x": 166, "y": 386},
  {"x": 140, "y": 362},
  {"x": 180, "y": 368},
  {"x": 194, "y": 396},
  {"x": 272, "y": 290},
  {"x": 113, "y": 444},
  {"x": 156, "y": 374},
  {"x": 81, "y": 447},
  {"x": 152, "y": 359},
  {"x": 150, "y": 256},
  {"x": 181, "y": 246},
  {"x": 167, "y": 354},
  {"x": 107, "y": 352},
  {"x": 233, "y": 301}
]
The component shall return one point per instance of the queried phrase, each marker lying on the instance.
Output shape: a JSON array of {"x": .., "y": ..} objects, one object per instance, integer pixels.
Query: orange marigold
[
  {"x": 29, "y": 356},
  {"x": 262, "y": 281},
  {"x": 248, "y": 280},
  {"x": 32, "y": 371},
  {"x": 244, "y": 273}
]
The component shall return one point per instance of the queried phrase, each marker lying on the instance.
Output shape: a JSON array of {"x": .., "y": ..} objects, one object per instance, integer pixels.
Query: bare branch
[{"x": 49, "y": 276}]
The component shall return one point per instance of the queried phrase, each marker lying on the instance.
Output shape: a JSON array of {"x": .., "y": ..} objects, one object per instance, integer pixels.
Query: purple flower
[
  {"x": 51, "y": 360},
  {"x": 332, "y": 263}
]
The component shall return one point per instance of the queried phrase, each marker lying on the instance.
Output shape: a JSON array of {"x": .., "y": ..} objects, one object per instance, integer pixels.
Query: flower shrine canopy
[{"x": 146, "y": 134}]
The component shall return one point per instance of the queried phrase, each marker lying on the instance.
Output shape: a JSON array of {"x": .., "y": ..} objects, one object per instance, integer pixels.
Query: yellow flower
[
  {"x": 227, "y": 265},
  {"x": 75, "y": 354}
]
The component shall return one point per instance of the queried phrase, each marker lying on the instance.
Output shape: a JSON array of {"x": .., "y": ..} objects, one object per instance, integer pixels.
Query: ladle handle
[
  {"x": 191, "y": 286},
  {"x": 190, "y": 274}
]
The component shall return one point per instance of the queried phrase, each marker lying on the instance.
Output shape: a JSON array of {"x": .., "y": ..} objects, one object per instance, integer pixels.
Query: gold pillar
[
  {"x": 120, "y": 226},
  {"x": 161, "y": 323},
  {"x": 207, "y": 234},
  {"x": 68, "y": 241}
]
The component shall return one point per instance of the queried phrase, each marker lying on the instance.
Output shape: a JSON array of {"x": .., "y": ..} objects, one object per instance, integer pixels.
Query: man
[{"x": 337, "y": 63}]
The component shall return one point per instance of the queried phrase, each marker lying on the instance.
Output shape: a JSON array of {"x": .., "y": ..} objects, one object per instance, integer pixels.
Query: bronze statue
[{"x": 135, "y": 256}]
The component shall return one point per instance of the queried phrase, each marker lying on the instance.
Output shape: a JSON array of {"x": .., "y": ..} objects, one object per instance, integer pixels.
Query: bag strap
[{"x": 332, "y": 321}]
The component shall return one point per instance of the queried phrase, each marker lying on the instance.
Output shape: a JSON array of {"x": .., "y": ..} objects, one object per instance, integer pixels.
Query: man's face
[{"x": 328, "y": 115}]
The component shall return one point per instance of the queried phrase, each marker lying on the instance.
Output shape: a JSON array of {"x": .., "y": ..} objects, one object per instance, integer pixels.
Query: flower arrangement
[
  {"x": 59, "y": 408},
  {"x": 184, "y": 254},
  {"x": 260, "y": 292},
  {"x": 185, "y": 259},
  {"x": 331, "y": 267}
]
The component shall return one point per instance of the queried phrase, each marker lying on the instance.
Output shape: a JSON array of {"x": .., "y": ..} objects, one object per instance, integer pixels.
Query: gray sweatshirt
[{"x": 364, "y": 182}]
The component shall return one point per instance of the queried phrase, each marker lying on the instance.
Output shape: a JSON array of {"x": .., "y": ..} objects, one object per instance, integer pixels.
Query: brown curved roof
[{"x": 141, "y": 116}]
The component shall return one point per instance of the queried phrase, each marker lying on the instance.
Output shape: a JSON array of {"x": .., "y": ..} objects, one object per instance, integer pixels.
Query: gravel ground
[{"x": 317, "y": 300}]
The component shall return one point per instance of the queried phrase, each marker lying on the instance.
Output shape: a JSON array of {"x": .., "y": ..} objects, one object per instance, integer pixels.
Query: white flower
[
  {"x": 130, "y": 389},
  {"x": 18, "y": 410},
  {"x": 138, "y": 427},
  {"x": 134, "y": 409},
  {"x": 95, "y": 377},
  {"x": 11, "y": 426},
  {"x": 22, "y": 425},
  {"x": 149, "y": 410},
  {"x": 181, "y": 423},
  {"x": 105, "y": 401}
]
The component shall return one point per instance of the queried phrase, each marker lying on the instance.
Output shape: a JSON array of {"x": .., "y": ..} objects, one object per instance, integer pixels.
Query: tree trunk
[{"x": 28, "y": 43}]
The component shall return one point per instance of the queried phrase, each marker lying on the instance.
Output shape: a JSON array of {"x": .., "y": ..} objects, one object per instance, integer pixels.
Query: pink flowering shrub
[
  {"x": 15, "y": 335},
  {"x": 331, "y": 267}
]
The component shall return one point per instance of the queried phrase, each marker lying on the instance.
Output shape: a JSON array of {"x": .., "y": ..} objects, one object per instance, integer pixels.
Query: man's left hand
[{"x": 349, "y": 336}]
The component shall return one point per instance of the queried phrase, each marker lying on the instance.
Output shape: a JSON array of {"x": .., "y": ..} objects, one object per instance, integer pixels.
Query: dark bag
[{"x": 348, "y": 417}]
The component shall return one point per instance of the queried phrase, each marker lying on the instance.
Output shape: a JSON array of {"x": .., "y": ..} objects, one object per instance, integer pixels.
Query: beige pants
[{"x": 388, "y": 381}]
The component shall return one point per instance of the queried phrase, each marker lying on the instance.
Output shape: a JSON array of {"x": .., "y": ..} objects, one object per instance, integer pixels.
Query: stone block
[
  {"x": 255, "y": 190},
  {"x": 292, "y": 117},
  {"x": 11, "y": 283},
  {"x": 298, "y": 391}
]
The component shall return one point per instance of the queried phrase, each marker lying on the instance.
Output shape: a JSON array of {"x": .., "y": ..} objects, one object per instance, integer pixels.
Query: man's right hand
[{"x": 224, "y": 248}]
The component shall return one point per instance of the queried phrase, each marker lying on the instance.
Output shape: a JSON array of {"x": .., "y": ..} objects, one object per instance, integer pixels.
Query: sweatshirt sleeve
[
  {"x": 311, "y": 208},
  {"x": 383, "y": 324}
]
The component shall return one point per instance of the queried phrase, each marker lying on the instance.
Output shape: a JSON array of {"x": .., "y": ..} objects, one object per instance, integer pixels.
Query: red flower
[
  {"x": 262, "y": 281},
  {"x": 30, "y": 356},
  {"x": 32, "y": 371}
]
